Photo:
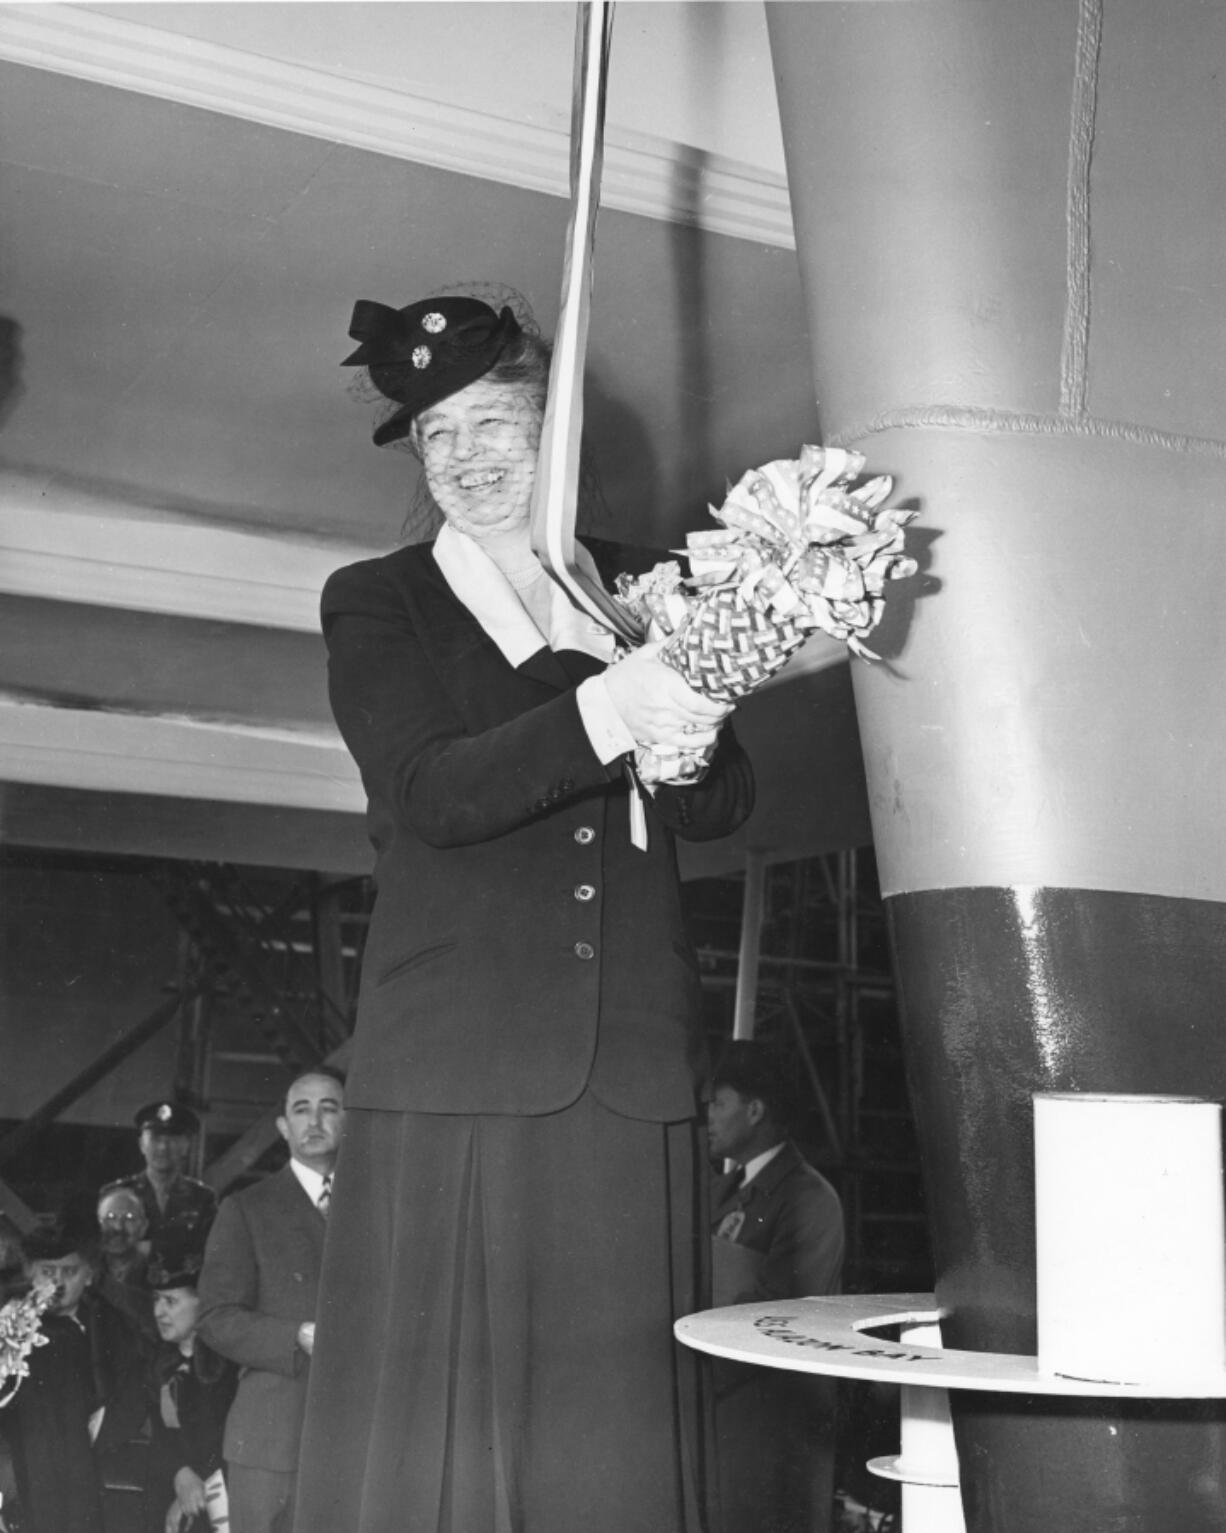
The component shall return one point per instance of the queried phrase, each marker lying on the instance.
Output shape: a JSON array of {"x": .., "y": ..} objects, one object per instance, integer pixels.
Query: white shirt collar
[
  {"x": 310, "y": 1180},
  {"x": 760, "y": 1162},
  {"x": 478, "y": 582}
]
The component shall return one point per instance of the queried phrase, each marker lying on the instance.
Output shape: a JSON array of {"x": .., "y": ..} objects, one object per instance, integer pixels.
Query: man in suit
[
  {"x": 777, "y": 1233},
  {"x": 258, "y": 1291}
]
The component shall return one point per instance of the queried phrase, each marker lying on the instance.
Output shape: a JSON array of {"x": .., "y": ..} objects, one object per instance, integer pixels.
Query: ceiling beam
[
  {"x": 653, "y": 177},
  {"x": 39, "y": 820},
  {"x": 179, "y": 758},
  {"x": 67, "y": 544}
]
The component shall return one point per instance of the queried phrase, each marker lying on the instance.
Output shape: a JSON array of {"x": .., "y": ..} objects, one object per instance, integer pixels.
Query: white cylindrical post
[
  {"x": 1131, "y": 1245},
  {"x": 928, "y": 1464}
]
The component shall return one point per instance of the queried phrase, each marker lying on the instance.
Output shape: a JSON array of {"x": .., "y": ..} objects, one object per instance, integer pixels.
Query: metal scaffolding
[{"x": 797, "y": 953}]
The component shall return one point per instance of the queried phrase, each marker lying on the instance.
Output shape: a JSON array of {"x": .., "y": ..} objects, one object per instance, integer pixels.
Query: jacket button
[
  {"x": 584, "y": 950},
  {"x": 584, "y": 892},
  {"x": 585, "y": 835},
  {"x": 566, "y": 785}
]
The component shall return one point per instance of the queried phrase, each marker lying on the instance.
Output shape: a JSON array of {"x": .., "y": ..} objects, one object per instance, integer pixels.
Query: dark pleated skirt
[{"x": 494, "y": 1351}]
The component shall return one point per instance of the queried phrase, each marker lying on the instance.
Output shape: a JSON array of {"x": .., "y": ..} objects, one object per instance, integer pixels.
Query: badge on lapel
[{"x": 730, "y": 1225}]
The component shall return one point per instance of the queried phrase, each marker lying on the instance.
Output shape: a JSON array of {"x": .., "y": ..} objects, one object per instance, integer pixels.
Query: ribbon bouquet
[{"x": 798, "y": 549}]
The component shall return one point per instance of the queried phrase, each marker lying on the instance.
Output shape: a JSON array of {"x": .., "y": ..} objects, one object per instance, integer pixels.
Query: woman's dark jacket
[
  {"x": 202, "y": 1387},
  {"x": 521, "y": 950},
  {"x": 90, "y": 1360}
]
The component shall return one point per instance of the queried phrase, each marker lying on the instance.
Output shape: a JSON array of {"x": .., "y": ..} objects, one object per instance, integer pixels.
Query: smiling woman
[
  {"x": 518, "y": 1195},
  {"x": 479, "y": 452}
]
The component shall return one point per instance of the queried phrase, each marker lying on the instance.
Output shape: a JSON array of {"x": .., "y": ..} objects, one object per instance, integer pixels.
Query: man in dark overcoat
[{"x": 258, "y": 1290}]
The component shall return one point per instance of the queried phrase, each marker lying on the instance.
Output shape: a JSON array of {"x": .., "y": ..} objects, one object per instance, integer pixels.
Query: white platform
[{"x": 832, "y": 1336}]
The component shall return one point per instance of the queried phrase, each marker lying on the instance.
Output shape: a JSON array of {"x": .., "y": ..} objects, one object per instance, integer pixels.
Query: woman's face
[
  {"x": 479, "y": 448},
  {"x": 175, "y": 1311}
]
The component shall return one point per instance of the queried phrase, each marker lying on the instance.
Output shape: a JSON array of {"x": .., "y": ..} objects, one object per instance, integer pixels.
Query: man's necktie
[{"x": 325, "y": 1196}]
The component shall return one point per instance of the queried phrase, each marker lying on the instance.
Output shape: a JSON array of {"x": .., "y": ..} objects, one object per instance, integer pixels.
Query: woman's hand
[
  {"x": 657, "y": 706},
  {"x": 189, "y": 1492}
]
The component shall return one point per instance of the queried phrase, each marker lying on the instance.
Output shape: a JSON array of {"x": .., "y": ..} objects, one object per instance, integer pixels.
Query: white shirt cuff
[{"x": 609, "y": 736}]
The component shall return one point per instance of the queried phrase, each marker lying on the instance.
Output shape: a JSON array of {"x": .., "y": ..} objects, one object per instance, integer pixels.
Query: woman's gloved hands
[{"x": 658, "y": 707}]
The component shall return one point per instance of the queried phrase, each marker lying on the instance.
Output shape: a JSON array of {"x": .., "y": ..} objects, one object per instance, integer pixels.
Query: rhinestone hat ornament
[{"x": 798, "y": 550}]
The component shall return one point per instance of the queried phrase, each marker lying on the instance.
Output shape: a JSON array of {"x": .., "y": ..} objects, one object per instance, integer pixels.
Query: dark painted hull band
[{"x": 1006, "y": 992}]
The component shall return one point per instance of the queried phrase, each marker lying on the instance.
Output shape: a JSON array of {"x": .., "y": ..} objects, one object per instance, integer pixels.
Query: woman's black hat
[
  {"x": 174, "y": 1265},
  {"x": 426, "y": 351},
  {"x": 55, "y": 1236}
]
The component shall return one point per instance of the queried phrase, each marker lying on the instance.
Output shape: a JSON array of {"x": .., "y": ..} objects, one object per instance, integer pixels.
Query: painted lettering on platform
[{"x": 779, "y": 1328}]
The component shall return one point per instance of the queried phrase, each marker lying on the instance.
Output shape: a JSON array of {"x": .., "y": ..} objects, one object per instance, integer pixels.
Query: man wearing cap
[
  {"x": 172, "y": 1200},
  {"x": 258, "y": 1289},
  {"x": 777, "y": 1228}
]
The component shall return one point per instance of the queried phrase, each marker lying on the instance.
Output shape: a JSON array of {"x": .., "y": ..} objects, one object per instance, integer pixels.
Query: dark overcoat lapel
[{"x": 452, "y": 637}]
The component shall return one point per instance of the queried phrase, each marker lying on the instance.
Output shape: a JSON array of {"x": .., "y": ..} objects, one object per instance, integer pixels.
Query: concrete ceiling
[{"x": 193, "y": 196}]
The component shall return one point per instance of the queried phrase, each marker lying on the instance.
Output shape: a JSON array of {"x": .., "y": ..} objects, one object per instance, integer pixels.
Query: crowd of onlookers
[
  {"x": 169, "y": 1393},
  {"x": 166, "y": 1393}
]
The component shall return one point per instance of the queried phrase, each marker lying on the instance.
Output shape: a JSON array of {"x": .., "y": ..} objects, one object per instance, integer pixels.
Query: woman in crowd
[
  {"x": 190, "y": 1390},
  {"x": 82, "y": 1400},
  {"x": 517, "y": 1215}
]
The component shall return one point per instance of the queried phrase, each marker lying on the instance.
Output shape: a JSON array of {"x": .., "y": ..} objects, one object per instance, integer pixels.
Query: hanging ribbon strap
[{"x": 556, "y": 492}]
